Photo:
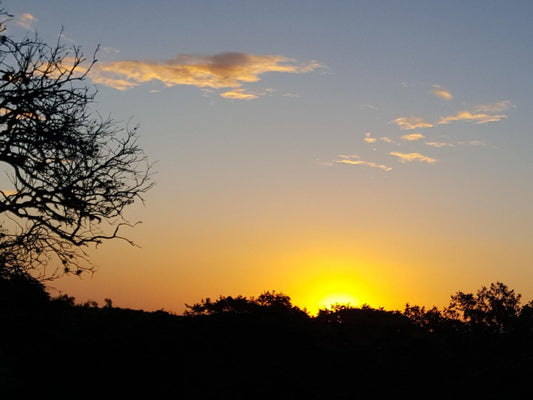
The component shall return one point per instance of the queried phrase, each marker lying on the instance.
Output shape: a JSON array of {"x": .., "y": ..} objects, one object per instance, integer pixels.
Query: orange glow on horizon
[{"x": 330, "y": 281}]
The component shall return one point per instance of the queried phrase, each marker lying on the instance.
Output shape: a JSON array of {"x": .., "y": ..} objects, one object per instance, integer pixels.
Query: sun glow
[
  {"x": 328, "y": 282},
  {"x": 328, "y": 274},
  {"x": 334, "y": 288},
  {"x": 338, "y": 298}
]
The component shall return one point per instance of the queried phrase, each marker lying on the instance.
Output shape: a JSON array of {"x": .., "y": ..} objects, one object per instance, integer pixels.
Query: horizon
[{"x": 348, "y": 152}]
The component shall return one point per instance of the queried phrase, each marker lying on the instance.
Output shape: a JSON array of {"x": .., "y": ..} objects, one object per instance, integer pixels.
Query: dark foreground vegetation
[{"x": 480, "y": 346}]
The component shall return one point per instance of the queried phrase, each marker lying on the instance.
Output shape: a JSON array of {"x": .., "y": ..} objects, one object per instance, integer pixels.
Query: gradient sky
[{"x": 373, "y": 152}]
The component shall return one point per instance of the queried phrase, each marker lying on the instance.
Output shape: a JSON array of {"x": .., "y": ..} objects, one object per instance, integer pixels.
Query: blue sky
[{"x": 384, "y": 146}]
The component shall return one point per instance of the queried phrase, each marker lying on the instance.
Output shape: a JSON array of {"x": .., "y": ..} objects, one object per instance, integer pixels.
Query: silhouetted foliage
[
  {"x": 267, "y": 302},
  {"x": 363, "y": 316},
  {"x": 21, "y": 293},
  {"x": 432, "y": 320},
  {"x": 495, "y": 308},
  {"x": 264, "y": 347},
  {"x": 72, "y": 172}
]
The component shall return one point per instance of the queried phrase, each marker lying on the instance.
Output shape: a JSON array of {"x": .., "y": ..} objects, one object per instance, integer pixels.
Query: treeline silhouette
[{"x": 479, "y": 346}]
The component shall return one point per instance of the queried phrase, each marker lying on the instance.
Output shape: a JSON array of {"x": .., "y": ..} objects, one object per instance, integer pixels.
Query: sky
[{"x": 362, "y": 152}]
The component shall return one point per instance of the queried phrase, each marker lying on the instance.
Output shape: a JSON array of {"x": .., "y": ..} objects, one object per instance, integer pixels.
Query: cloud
[
  {"x": 20, "y": 115},
  {"x": 472, "y": 143},
  {"x": 7, "y": 193},
  {"x": 410, "y": 123},
  {"x": 480, "y": 118},
  {"x": 494, "y": 107},
  {"x": 219, "y": 71},
  {"x": 354, "y": 160},
  {"x": 368, "y": 107},
  {"x": 441, "y": 92},
  {"x": 25, "y": 20},
  {"x": 238, "y": 94},
  {"x": 109, "y": 50},
  {"x": 119, "y": 84},
  {"x": 368, "y": 138},
  {"x": 289, "y": 94},
  {"x": 385, "y": 139},
  {"x": 413, "y": 136},
  {"x": 439, "y": 144},
  {"x": 324, "y": 163},
  {"x": 413, "y": 157}
]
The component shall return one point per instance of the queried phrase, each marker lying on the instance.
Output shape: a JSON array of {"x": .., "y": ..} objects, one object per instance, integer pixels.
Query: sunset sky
[{"x": 373, "y": 152}]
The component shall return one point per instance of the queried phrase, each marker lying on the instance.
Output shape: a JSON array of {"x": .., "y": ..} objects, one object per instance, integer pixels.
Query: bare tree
[{"x": 70, "y": 173}]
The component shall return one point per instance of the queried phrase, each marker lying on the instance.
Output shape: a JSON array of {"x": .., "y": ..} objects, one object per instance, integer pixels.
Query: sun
[
  {"x": 319, "y": 282},
  {"x": 338, "y": 298},
  {"x": 331, "y": 289}
]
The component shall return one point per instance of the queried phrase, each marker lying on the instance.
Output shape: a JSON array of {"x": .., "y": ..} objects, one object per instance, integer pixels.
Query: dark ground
[{"x": 56, "y": 349}]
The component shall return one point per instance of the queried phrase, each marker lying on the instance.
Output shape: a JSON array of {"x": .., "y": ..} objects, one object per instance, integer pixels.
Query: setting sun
[
  {"x": 330, "y": 281},
  {"x": 338, "y": 298},
  {"x": 334, "y": 290}
]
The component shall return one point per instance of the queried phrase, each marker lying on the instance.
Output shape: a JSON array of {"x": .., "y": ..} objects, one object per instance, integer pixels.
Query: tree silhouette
[
  {"x": 260, "y": 347},
  {"x": 495, "y": 308},
  {"x": 431, "y": 320},
  {"x": 71, "y": 173},
  {"x": 267, "y": 302}
]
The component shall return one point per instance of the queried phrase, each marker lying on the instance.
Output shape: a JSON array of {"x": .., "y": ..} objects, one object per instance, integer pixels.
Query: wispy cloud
[
  {"x": 289, "y": 94},
  {"x": 480, "y": 118},
  {"x": 25, "y": 20},
  {"x": 368, "y": 107},
  {"x": 413, "y": 137},
  {"x": 410, "y": 123},
  {"x": 439, "y": 144},
  {"x": 225, "y": 70},
  {"x": 238, "y": 94},
  {"x": 354, "y": 160},
  {"x": 109, "y": 50},
  {"x": 472, "y": 143},
  {"x": 441, "y": 92},
  {"x": 408, "y": 157},
  {"x": 368, "y": 138},
  {"x": 385, "y": 139},
  {"x": 115, "y": 83},
  {"x": 494, "y": 107}
]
